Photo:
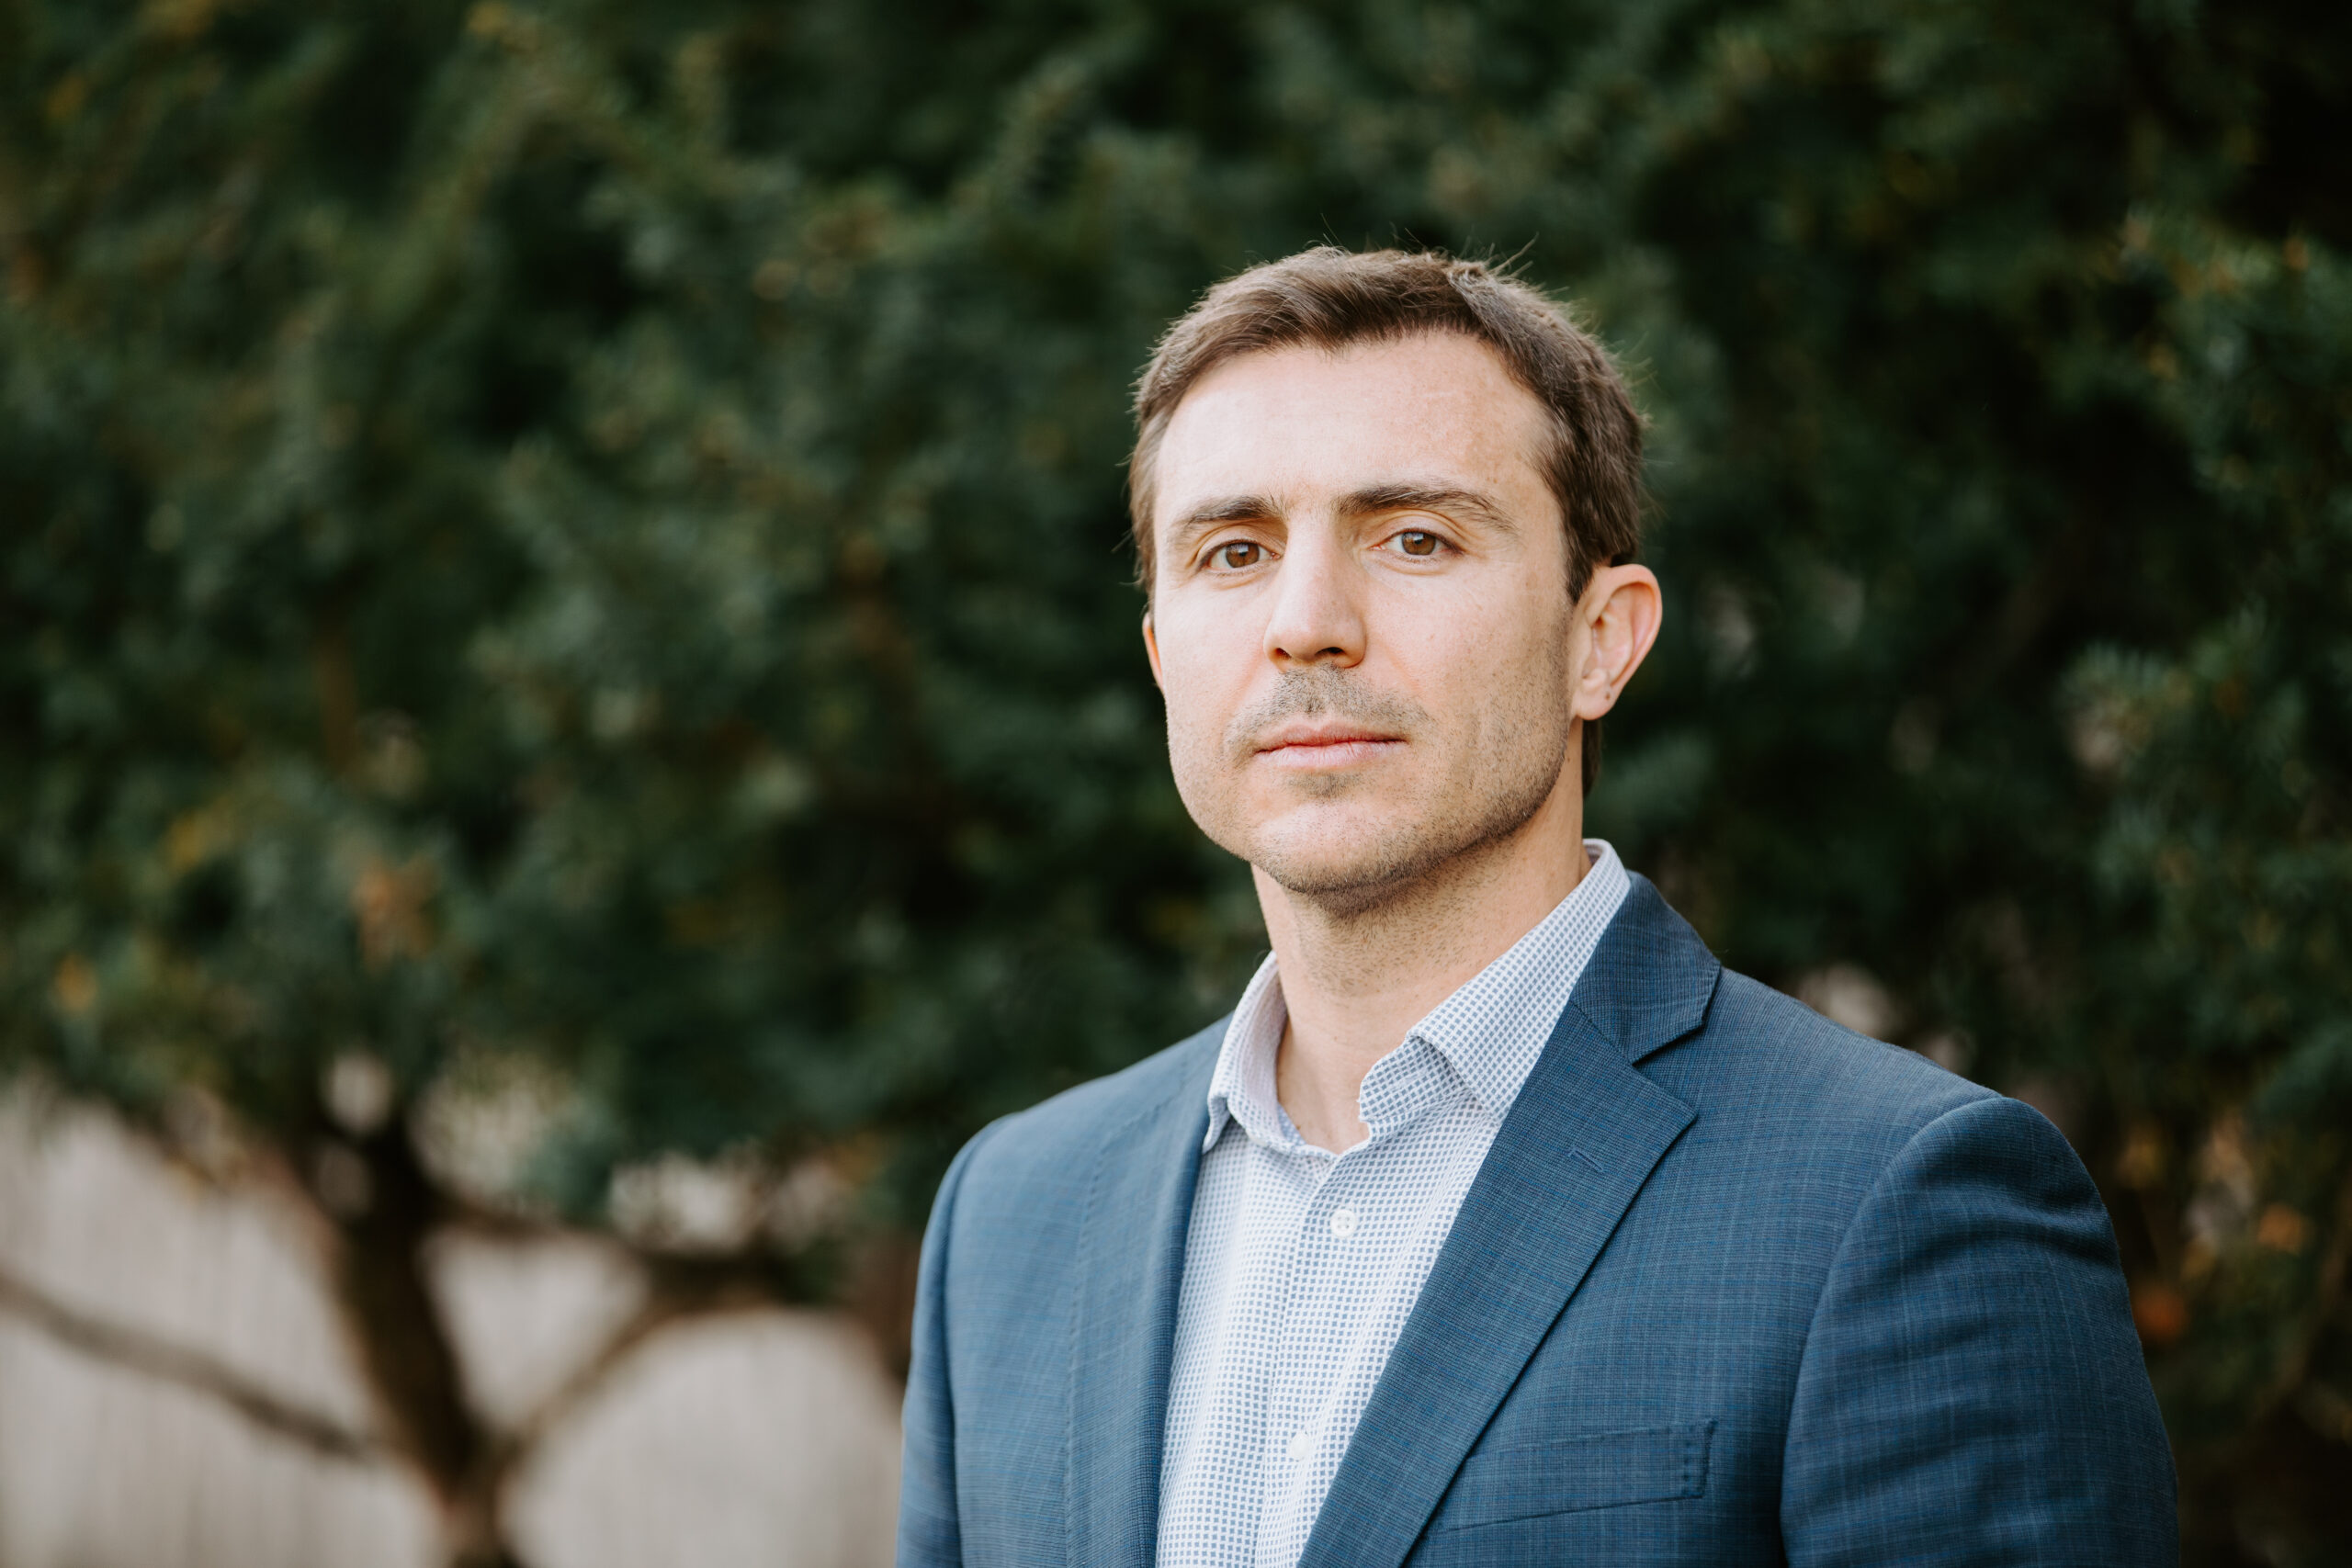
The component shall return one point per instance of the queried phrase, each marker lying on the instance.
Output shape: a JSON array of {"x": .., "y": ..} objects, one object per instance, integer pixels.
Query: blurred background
[{"x": 572, "y": 720}]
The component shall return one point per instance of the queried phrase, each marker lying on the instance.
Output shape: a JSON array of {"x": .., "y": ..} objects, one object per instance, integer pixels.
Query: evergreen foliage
[{"x": 581, "y": 540}]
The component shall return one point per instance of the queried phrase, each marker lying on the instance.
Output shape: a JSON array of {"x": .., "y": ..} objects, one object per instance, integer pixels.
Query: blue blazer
[{"x": 1734, "y": 1285}]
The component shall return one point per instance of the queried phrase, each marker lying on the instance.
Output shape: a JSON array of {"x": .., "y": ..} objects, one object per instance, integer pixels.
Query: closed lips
[{"x": 1325, "y": 748}]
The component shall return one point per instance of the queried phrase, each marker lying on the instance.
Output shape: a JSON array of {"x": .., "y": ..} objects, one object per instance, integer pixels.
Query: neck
[{"x": 1356, "y": 976}]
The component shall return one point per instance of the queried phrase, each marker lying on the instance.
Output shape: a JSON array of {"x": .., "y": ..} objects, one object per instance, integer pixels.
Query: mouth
[{"x": 1319, "y": 748}]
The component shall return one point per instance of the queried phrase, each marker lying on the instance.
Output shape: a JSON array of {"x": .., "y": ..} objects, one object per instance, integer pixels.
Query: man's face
[{"x": 1360, "y": 616}]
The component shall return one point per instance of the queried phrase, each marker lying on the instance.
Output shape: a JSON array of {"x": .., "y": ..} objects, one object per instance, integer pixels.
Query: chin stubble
[{"x": 1518, "y": 766}]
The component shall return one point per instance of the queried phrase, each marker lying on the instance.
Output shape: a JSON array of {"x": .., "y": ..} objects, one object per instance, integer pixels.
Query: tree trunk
[{"x": 405, "y": 1349}]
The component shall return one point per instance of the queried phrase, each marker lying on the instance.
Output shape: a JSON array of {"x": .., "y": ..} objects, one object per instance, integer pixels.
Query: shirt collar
[
  {"x": 1242, "y": 1087},
  {"x": 1492, "y": 1031}
]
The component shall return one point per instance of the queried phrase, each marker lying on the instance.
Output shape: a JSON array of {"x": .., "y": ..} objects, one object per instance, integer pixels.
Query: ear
[
  {"x": 1623, "y": 611},
  {"x": 1151, "y": 651}
]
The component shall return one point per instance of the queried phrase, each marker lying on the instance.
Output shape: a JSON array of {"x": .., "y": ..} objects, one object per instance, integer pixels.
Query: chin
[{"x": 1361, "y": 867}]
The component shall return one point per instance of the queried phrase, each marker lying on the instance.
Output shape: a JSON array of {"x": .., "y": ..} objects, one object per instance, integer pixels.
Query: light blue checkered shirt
[{"x": 1301, "y": 1266}]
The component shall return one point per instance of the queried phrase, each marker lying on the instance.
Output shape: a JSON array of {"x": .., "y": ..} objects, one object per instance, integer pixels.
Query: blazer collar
[
  {"x": 1138, "y": 1211},
  {"x": 1575, "y": 1149},
  {"x": 1650, "y": 979}
]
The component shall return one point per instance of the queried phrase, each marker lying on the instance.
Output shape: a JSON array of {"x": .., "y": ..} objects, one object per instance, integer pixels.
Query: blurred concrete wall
[{"x": 763, "y": 1436}]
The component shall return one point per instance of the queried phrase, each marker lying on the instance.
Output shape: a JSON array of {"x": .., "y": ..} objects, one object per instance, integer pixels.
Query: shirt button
[
  {"x": 1343, "y": 1223},
  {"x": 1301, "y": 1445}
]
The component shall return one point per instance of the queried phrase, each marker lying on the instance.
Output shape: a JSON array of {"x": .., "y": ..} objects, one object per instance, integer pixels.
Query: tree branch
[
  {"x": 141, "y": 1352},
  {"x": 677, "y": 1293}
]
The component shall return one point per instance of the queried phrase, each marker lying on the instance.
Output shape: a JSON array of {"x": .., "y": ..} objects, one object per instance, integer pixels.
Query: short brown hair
[{"x": 1328, "y": 297}]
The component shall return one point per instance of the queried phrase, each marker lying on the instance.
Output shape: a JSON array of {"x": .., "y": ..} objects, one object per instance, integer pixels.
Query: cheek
[
  {"x": 1493, "y": 662},
  {"x": 1202, "y": 647},
  {"x": 1458, "y": 645},
  {"x": 1192, "y": 683},
  {"x": 1198, "y": 715}
]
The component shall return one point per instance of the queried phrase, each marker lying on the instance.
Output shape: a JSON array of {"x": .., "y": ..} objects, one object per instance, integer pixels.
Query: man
[{"x": 1498, "y": 1223}]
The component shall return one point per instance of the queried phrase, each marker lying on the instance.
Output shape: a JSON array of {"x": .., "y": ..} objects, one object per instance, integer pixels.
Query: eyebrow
[
  {"x": 1224, "y": 509},
  {"x": 1469, "y": 504}
]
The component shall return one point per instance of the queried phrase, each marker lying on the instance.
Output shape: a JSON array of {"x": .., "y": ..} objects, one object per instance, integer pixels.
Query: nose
[{"x": 1316, "y": 616}]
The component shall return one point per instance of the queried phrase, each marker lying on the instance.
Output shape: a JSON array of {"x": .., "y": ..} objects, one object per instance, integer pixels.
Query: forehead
[{"x": 1302, "y": 423}]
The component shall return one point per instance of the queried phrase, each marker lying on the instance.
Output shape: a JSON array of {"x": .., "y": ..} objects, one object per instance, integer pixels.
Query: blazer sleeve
[
  {"x": 1972, "y": 1390},
  {"x": 929, "y": 1534}
]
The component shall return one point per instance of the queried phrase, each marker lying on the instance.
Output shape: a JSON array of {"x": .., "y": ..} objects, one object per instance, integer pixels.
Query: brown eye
[
  {"x": 1238, "y": 554},
  {"x": 1415, "y": 543}
]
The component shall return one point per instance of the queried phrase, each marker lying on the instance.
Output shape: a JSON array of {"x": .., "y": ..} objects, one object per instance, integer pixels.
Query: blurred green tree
[{"x": 563, "y": 571}]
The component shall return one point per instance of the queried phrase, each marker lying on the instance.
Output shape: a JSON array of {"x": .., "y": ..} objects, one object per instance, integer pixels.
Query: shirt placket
[
  {"x": 1330, "y": 1302},
  {"x": 1306, "y": 1350}
]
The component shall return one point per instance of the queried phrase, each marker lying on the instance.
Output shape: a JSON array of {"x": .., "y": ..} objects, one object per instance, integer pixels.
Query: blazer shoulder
[
  {"x": 1044, "y": 1141},
  {"x": 1760, "y": 1052}
]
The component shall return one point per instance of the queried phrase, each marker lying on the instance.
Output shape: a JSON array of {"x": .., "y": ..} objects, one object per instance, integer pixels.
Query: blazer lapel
[
  {"x": 1131, "y": 1263},
  {"x": 1579, "y": 1143}
]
